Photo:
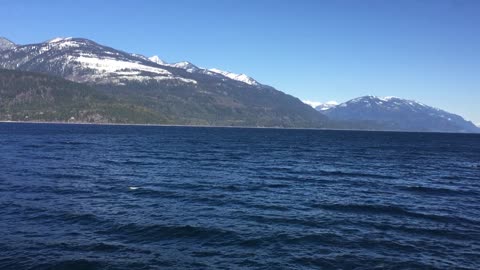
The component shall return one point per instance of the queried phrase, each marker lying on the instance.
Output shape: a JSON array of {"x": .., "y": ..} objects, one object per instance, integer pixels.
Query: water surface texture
[{"x": 133, "y": 197}]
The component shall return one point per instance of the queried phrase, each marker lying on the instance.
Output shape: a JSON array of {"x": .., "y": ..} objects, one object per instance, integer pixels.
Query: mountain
[
  {"x": 157, "y": 60},
  {"x": 213, "y": 71},
  {"x": 83, "y": 60},
  {"x": 238, "y": 77},
  {"x": 399, "y": 114},
  {"x": 6, "y": 44},
  {"x": 325, "y": 106},
  {"x": 189, "y": 67},
  {"x": 28, "y": 96},
  {"x": 181, "y": 92}
]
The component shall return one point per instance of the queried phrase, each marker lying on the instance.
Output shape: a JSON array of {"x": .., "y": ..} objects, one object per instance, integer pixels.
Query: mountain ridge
[
  {"x": 187, "y": 96},
  {"x": 6, "y": 44},
  {"x": 399, "y": 114}
]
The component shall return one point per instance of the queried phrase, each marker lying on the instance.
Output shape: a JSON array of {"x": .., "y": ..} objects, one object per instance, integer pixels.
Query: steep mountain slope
[
  {"x": 181, "y": 92},
  {"x": 83, "y": 60},
  {"x": 27, "y": 96},
  {"x": 399, "y": 114},
  {"x": 212, "y": 71},
  {"x": 6, "y": 44},
  {"x": 238, "y": 77}
]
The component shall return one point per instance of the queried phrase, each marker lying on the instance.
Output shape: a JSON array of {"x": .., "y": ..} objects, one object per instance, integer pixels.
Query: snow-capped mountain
[
  {"x": 189, "y": 67},
  {"x": 83, "y": 60},
  {"x": 181, "y": 93},
  {"x": 399, "y": 114},
  {"x": 312, "y": 104},
  {"x": 6, "y": 44},
  {"x": 238, "y": 77},
  {"x": 157, "y": 60},
  {"x": 325, "y": 106},
  {"x": 320, "y": 106}
]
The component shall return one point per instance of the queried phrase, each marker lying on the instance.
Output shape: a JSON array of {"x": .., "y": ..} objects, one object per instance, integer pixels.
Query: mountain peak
[
  {"x": 321, "y": 106},
  {"x": 398, "y": 114},
  {"x": 326, "y": 106},
  {"x": 237, "y": 77},
  {"x": 83, "y": 60},
  {"x": 388, "y": 98},
  {"x": 6, "y": 44},
  {"x": 157, "y": 60},
  {"x": 391, "y": 101},
  {"x": 189, "y": 67},
  {"x": 59, "y": 39},
  {"x": 185, "y": 65}
]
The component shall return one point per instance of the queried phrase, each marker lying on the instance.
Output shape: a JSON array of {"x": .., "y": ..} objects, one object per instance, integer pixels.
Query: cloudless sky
[{"x": 427, "y": 50}]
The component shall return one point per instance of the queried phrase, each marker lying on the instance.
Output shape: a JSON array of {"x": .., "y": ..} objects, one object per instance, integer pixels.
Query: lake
[{"x": 151, "y": 197}]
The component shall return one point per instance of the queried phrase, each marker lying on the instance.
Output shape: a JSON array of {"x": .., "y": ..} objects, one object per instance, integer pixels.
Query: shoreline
[{"x": 234, "y": 127}]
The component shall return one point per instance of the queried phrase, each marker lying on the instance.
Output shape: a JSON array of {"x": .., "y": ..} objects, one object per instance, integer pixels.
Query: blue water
[{"x": 132, "y": 197}]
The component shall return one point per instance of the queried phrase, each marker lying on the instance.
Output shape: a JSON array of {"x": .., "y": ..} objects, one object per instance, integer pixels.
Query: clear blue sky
[{"x": 316, "y": 50}]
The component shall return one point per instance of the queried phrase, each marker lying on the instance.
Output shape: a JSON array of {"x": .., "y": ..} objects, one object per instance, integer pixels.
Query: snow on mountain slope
[
  {"x": 189, "y": 67},
  {"x": 59, "y": 39},
  {"x": 157, "y": 60},
  {"x": 312, "y": 104},
  {"x": 122, "y": 70},
  {"x": 320, "y": 106},
  {"x": 399, "y": 114},
  {"x": 238, "y": 77},
  {"x": 6, "y": 44},
  {"x": 326, "y": 105},
  {"x": 180, "y": 92},
  {"x": 83, "y": 60}
]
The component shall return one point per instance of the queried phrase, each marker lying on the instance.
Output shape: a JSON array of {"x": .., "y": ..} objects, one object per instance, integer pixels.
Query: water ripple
[{"x": 131, "y": 197}]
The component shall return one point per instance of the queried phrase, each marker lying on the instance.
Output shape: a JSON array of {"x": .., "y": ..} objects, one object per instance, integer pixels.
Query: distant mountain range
[
  {"x": 397, "y": 114},
  {"x": 181, "y": 92},
  {"x": 79, "y": 80}
]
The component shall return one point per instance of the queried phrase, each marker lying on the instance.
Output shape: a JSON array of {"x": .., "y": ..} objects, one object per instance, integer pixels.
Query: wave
[
  {"x": 80, "y": 218},
  {"x": 33, "y": 146},
  {"x": 154, "y": 193},
  {"x": 95, "y": 247},
  {"x": 438, "y": 191},
  {"x": 455, "y": 234},
  {"x": 293, "y": 174},
  {"x": 286, "y": 239},
  {"x": 64, "y": 176},
  {"x": 281, "y": 220},
  {"x": 357, "y": 174},
  {"x": 391, "y": 210},
  {"x": 157, "y": 232},
  {"x": 270, "y": 207},
  {"x": 73, "y": 264},
  {"x": 353, "y": 261},
  {"x": 74, "y": 143},
  {"x": 128, "y": 162}
]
